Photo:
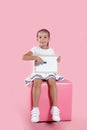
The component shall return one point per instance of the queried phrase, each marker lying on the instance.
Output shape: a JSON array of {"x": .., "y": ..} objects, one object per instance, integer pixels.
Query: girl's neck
[{"x": 44, "y": 47}]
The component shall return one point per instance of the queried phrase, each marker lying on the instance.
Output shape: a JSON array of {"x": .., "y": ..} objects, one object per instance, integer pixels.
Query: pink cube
[{"x": 64, "y": 100}]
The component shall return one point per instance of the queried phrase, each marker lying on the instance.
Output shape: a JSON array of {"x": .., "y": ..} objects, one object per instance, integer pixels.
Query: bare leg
[
  {"x": 36, "y": 90},
  {"x": 53, "y": 95},
  {"x": 53, "y": 91}
]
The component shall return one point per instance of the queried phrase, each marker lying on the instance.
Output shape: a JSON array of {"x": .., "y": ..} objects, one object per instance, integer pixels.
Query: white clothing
[
  {"x": 44, "y": 76},
  {"x": 39, "y": 51}
]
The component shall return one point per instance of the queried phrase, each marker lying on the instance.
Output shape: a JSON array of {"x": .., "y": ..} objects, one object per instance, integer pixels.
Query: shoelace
[
  {"x": 56, "y": 112},
  {"x": 35, "y": 113}
]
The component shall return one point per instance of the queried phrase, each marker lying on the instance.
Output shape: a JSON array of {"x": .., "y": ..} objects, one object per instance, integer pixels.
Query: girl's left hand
[{"x": 59, "y": 59}]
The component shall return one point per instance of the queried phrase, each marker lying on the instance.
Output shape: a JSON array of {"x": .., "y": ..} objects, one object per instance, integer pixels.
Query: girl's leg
[
  {"x": 53, "y": 91},
  {"x": 53, "y": 95},
  {"x": 36, "y": 91},
  {"x": 36, "y": 95}
]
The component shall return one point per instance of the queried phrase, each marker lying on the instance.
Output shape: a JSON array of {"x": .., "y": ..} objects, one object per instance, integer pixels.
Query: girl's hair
[{"x": 44, "y": 30}]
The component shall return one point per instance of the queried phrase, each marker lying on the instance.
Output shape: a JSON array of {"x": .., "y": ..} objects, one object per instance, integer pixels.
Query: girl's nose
[{"x": 42, "y": 38}]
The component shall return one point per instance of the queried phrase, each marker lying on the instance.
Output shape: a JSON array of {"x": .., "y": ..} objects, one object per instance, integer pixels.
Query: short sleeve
[
  {"x": 52, "y": 51},
  {"x": 33, "y": 50}
]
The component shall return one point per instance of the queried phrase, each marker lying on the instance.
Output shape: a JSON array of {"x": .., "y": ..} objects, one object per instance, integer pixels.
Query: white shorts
[{"x": 43, "y": 76}]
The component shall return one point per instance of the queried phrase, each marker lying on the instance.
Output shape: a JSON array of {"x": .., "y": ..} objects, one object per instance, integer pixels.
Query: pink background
[{"x": 19, "y": 22}]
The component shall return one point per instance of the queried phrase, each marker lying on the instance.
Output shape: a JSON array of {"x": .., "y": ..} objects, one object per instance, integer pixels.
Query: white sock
[
  {"x": 34, "y": 108},
  {"x": 54, "y": 107}
]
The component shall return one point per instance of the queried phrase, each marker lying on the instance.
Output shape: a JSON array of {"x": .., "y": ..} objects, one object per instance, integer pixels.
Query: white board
[{"x": 50, "y": 65}]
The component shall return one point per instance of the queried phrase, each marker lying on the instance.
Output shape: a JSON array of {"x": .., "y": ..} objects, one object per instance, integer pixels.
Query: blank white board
[{"x": 50, "y": 65}]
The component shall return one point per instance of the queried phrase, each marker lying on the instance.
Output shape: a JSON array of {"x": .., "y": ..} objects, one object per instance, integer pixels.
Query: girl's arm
[
  {"x": 30, "y": 56},
  {"x": 59, "y": 59}
]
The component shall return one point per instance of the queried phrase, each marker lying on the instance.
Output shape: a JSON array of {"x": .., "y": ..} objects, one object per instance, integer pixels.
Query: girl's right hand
[{"x": 39, "y": 60}]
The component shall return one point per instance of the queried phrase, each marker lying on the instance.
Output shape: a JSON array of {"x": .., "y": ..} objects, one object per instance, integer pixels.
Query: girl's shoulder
[
  {"x": 51, "y": 49},
  {"x": 34, "y": 48}
]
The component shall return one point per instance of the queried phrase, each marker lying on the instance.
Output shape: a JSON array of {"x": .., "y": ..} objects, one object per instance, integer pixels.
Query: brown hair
[{"x": 44, "y": 30}]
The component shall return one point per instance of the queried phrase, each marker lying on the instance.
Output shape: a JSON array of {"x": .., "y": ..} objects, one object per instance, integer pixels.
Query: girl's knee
[
  {"x": 37, "y": 82},
  {"x": 52, "y": 82}
]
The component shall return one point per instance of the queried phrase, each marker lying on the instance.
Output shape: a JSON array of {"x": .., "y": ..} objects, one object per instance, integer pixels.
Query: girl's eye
[
  {"x": 45, "y": 37},
  {"x": 40, "y": 37}
]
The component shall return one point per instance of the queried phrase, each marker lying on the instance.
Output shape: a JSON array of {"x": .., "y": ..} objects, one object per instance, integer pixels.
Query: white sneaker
[
  {"x": 55, "y": 113},
  {"x": 35, "y": 115}
]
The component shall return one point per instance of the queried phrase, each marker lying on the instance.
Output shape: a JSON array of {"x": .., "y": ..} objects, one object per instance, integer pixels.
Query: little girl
[{"x": 43, "y": 38}]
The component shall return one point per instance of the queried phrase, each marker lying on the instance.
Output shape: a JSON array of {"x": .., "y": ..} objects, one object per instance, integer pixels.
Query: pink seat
[{"x": 64, "y": 100}]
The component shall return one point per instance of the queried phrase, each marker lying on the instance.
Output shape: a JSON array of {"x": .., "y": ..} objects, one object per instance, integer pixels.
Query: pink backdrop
[{"x": 19, "y": 22}]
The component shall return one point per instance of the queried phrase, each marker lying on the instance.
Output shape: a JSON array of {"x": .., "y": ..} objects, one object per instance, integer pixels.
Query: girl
[{"x": 43, "y": 38}]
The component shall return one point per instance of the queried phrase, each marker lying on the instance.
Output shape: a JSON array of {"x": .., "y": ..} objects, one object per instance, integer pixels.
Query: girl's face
[{"x": 43, "y": 39}]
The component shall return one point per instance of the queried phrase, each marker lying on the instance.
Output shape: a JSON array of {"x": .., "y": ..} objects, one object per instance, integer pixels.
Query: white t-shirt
[{"x": 39, "y": 51}]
